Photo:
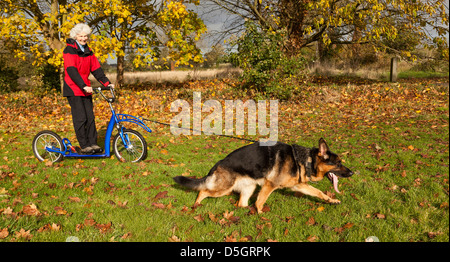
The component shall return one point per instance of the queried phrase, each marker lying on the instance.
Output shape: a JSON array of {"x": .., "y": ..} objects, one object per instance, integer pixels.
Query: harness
[{"x": 308, "y": 164}]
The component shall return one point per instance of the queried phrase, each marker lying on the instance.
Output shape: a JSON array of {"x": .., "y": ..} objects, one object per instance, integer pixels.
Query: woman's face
[{"x": 82, "y": 38}]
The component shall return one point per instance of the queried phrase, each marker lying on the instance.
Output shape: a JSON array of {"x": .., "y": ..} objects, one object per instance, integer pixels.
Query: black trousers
[{"x": 83, "y": 120}]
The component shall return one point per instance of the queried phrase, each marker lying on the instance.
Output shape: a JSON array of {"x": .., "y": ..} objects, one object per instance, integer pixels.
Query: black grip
[{"x": 101, "y": 88}]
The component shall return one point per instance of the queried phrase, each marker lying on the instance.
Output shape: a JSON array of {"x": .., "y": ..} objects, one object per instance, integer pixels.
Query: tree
[
  {"x": 213, "y": 57},
  {"x": 29, "y": 24},
  {"x": 141, "y": 27},
  {"x": 349, "y": 21},
  {"x": 40, "y": 27},
  {"x": 265, "y": 66}
]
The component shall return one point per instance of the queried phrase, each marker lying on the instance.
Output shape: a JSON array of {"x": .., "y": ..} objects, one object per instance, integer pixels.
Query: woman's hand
[{"x": 88, "y": 89}]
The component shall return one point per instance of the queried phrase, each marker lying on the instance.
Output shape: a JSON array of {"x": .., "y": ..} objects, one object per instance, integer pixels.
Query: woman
[{"x": 79, "y": 62}]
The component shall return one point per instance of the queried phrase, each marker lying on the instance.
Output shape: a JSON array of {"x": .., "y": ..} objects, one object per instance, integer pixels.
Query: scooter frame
[{"x": 115, "y": 121}]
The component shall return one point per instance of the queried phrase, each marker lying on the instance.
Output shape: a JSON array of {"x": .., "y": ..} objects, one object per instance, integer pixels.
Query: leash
[
  {"x": 308, "y": 165},
  {"x": 195, "y": 130}
]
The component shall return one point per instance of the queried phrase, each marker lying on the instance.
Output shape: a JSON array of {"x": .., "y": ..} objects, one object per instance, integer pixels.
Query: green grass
[
  {"x": 421, "y": 74},
  {"x": 399, "y": 191}
]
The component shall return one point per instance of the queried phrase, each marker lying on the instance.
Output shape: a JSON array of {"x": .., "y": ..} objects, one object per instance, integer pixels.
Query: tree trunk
[
  {"x": 121, "y": 58},
  {"x": 120, "y": 71},
  {"x": 61, "y": 78},
  {"x": 356, "y": 48},
  {"x": 393, "y": 73}
]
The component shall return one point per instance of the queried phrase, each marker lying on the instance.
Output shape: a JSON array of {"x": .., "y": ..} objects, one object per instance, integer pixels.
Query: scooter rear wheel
[
  {"x": 136, "y": 149},
  {"x": 47, "y": 139}
]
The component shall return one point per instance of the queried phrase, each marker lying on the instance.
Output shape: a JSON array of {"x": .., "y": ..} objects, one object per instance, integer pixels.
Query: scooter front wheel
[
  {"x": 134, "y": 149},
  {"x": 44, "y": 140}
]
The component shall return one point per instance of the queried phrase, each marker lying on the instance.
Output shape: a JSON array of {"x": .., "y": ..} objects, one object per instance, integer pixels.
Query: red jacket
[{"x": 77, "y": 67}]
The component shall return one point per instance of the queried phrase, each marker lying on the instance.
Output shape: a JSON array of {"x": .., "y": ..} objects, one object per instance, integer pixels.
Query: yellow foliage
[{"x": 183, "y": 28}]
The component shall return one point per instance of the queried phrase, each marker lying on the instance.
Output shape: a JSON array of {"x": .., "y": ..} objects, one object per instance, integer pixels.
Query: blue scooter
[{"x": 128, "y": 145}]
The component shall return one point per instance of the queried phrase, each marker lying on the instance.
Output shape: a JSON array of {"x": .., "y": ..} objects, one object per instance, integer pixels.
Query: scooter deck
[
  {"x": 76, "y": 154},
  {"x": 86, "y": 155}
]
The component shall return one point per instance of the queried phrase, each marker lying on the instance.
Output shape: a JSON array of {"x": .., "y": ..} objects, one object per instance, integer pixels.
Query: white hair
[{"x": 80, "y": 28}]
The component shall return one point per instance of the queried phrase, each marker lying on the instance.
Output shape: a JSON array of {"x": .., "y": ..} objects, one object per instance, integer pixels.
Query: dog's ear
[{"x": 323, "y": 148}]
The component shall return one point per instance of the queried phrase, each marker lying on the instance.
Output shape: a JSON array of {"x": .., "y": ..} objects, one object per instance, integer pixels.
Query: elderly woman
[{"x": 79, "y": 62}]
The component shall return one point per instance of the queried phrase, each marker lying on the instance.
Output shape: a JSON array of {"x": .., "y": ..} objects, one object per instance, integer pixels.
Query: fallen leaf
[
  {"x": 126, "y": 235},
  {"x": 174, "y": 239},
  {"x": 60, "y": 211},
  {"x": 122, "y": 204},
  {"x": 433, "y": 234},
  {"x": 230, "y": 238},
  {"x": 266, "y": 208},
  {"x": 312, "y": 238},
  {"x": 4, "y": 233},
  {"x": 330, "y": 194},
  {"x": 103, "y": 228},
  {"x": 94, "y": 180},
  {"x": 30, "y": 210},
  {"x": 88, "y": 190},
  {"x": 79, "y": 227},
  {"x": 348, "y": 225},
  {"x": 231, "y": 217},
  {"x": 212, "y": 217},
  {"x": 354, "y": 196},
  {"x": 55, "y": 227},
  {"x": 75, "y": 199},
  {"x": 89, "y": 222},
  {"x": 162, "y": 194},
  {"x": 311, "y": 221},
  {"x": 3, "y": 192},
  {"x": 251, "y": 211},
  {"x": 23, "y": 234},
  {"x": 199, "y": 218},
  {"x": 8, "y": 211},
  {"x": 158, "y": 205},
  {"x": 289, "y": 219},
  {"x": 380, "y": 216},
  {"x": 245, "y": 239}
]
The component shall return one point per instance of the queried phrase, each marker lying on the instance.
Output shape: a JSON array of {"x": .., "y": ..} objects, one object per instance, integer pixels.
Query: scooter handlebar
[
  {"x": 99, "y": 90},
  {"x": 103, "y": 88}
]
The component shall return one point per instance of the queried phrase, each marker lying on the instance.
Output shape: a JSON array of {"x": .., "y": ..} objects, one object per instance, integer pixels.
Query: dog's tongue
[{"x": 335, "y": 180}]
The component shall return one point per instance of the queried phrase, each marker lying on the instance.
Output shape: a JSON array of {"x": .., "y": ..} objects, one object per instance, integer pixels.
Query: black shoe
[
  {"x": 96, "y": 149},
  {"x": 87, "y": 150}
]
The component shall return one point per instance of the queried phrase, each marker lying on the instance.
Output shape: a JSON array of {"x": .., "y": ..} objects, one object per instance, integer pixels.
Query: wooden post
[{"x": 393, "y": 76}]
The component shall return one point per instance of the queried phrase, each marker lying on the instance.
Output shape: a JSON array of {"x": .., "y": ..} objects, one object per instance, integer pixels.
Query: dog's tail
[
  {"x": 196, "y": 183},
  {"x": 192, "y": 183}
]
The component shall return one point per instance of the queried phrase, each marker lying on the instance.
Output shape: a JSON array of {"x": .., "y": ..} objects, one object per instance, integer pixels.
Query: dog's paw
[{"x": 334, "y": 201}]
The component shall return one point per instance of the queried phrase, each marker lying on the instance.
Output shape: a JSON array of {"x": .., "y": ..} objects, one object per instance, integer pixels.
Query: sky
[
  {"x": 214, "y": 21},
  {"x": 217, "y": 20}
]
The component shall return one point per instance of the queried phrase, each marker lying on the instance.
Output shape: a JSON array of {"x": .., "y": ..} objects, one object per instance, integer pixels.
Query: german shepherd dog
[{"x": 272, "y": 167}]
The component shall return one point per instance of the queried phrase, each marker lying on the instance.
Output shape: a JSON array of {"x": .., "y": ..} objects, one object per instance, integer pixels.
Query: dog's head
[{"x": 328, "y": 164}]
